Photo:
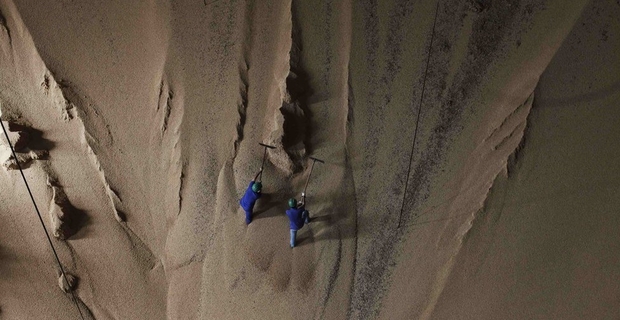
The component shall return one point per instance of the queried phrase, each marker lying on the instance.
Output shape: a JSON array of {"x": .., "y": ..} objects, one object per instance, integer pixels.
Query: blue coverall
[
  {"x": 248, "y": 201},
  {"x": 297, "y": 216}
]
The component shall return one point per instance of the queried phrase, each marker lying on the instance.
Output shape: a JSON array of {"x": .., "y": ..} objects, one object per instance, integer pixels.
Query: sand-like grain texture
[{"x": 483, "y": 186}]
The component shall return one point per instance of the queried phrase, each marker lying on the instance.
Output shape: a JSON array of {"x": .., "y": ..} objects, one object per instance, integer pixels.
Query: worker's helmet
[
  {"x": 257, "y": 186},
  {"x": 292, "y": 202}
]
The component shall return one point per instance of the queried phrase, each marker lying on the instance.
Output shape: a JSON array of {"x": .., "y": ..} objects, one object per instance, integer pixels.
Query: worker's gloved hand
[{"x": 303, "y": 195}]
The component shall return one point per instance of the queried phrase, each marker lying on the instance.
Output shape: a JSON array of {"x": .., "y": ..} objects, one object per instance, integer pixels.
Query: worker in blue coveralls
[
  {"x": 252, "y": 193},
  {"x": 297, "y": 215}
]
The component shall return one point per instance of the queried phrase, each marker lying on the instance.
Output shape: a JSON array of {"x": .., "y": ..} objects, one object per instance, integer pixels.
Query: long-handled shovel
[
  {"x": 264, "y": 157},
  {"x": 303, "y": 194}
]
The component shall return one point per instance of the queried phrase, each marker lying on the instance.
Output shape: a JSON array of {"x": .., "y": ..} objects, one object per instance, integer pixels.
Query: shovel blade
[
  {"x": 317, "y": 159},
  {"x": 266, "y": 145}
]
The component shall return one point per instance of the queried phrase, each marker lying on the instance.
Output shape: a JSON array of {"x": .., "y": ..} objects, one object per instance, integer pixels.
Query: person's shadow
[
  {"x": 327, "y": 226},
  {"x": 326, "y": 223}
]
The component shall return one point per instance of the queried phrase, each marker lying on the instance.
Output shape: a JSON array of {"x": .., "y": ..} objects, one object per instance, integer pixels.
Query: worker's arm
[
  {"x": 257, "y": 174},
  {"x": 303, "y": 200}
]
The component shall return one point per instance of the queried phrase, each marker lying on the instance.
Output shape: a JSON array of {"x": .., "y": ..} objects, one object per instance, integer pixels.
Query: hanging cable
[
  {"x": 62, "y": 270},
  {"x": 415, "y": 133}
]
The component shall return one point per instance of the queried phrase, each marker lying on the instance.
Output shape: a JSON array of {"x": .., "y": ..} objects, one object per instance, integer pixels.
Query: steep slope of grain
[
  {"x": 112, "y": 263},
  {"x": 545, "y": 245},
  {"x": 440, "y": 140}
]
